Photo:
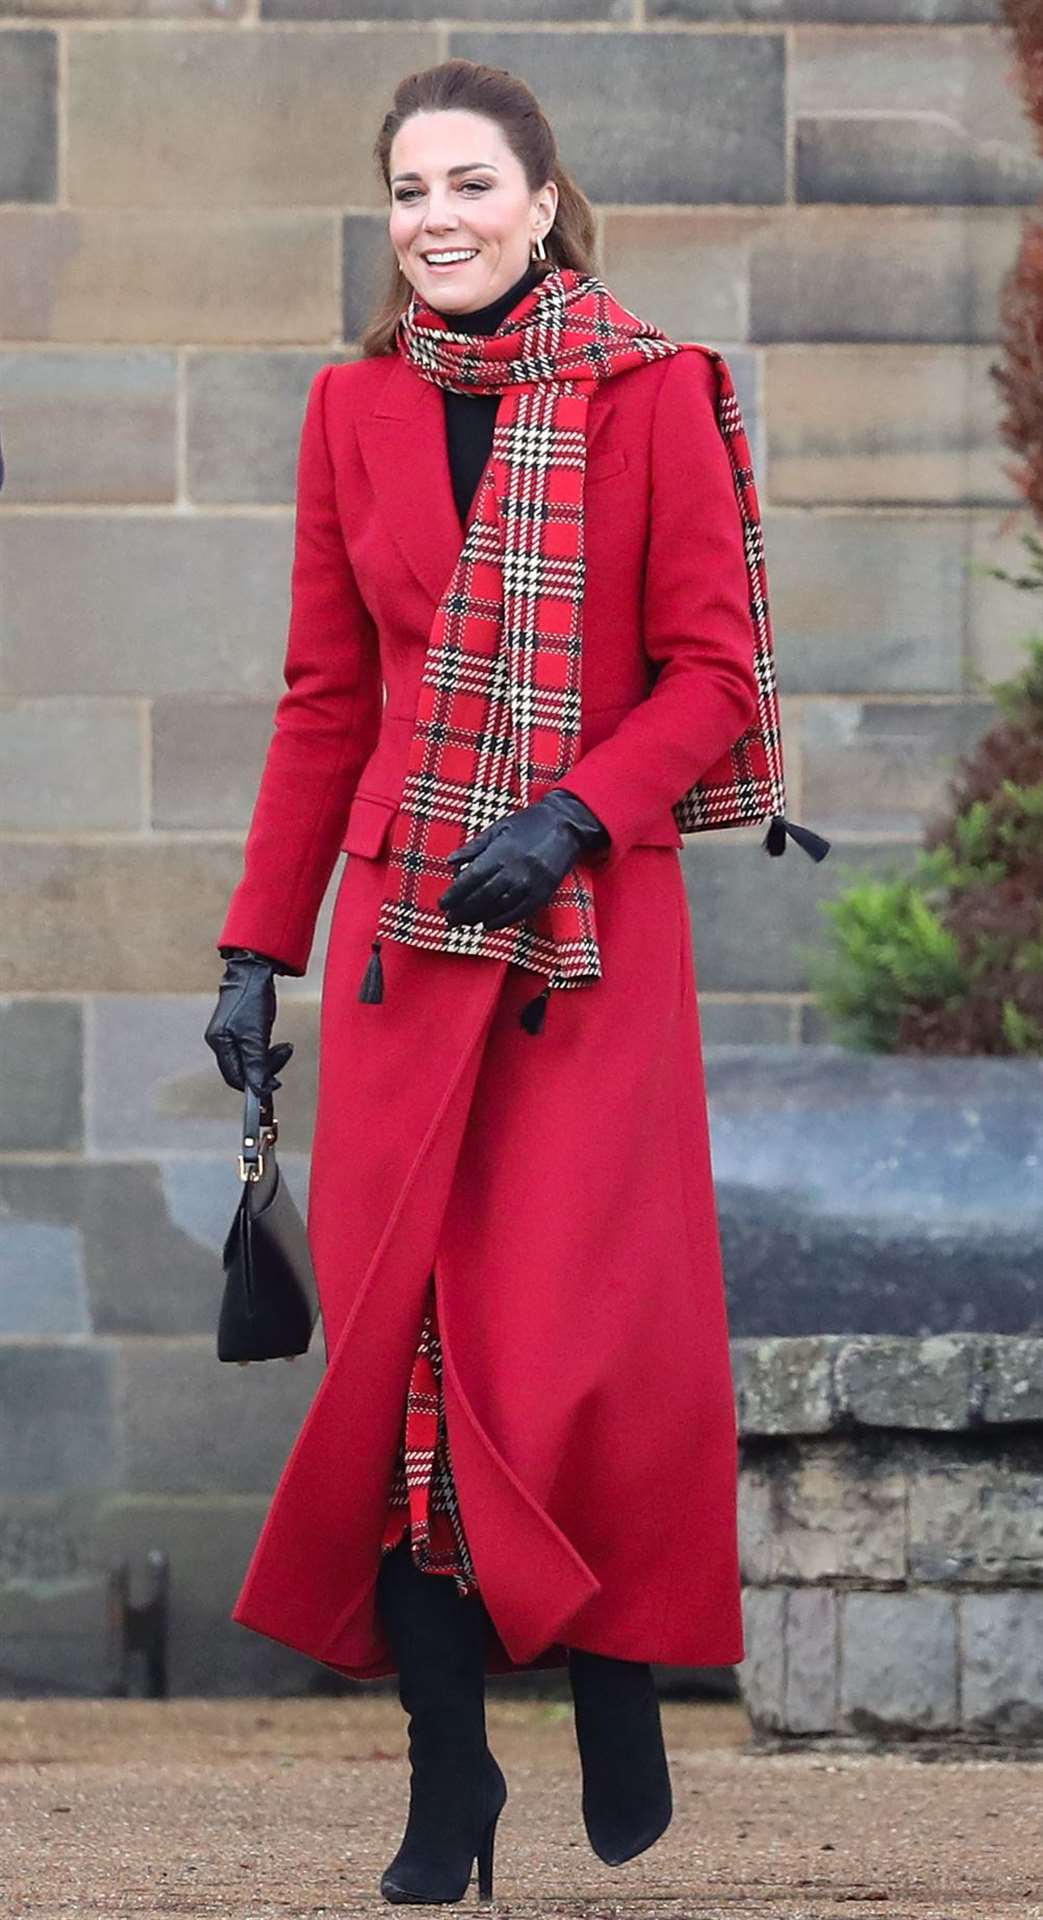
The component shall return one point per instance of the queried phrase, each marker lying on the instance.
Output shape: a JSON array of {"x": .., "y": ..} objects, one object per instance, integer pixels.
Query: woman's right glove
[{"x": 240, "y": 1027}]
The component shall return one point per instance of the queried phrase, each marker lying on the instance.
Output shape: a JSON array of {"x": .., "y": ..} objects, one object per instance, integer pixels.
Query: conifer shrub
[{"x": 947, "y": 957}]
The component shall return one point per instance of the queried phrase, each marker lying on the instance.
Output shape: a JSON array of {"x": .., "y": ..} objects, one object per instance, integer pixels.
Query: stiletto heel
[
  {"x": 485, "y": 1859},
  {"x": 431, "y": 1875},
  {"x": 456, "y": 1789}
]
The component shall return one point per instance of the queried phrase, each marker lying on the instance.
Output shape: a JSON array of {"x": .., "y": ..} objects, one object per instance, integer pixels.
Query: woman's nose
[{"x": 439, "y": 217}]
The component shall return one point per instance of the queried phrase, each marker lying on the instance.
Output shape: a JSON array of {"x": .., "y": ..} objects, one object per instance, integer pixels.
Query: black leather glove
[
  {"x": 240, "y": 1027},
  {"x": 514, "y": 865}
]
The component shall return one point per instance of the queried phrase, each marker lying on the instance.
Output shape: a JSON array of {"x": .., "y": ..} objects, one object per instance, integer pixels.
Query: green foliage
[
  {"x": 1023, "y": 1034},
  {"x": 889, "y": 945},
  {"x": 948, "y": 956}
]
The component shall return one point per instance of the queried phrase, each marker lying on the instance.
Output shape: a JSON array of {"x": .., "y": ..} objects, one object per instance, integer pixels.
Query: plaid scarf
[{"x": 498, "y": 713}]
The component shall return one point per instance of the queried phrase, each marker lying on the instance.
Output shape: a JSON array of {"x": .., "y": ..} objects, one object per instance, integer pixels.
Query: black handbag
[{"x": 271, "y": 1301}]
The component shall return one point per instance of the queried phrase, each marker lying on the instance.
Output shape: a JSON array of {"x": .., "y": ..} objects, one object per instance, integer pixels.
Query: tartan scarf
[{"x": 498, "y": 712}]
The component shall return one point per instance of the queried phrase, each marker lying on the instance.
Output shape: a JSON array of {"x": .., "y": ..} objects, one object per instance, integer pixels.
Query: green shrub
[{"x": 948, "y": 957}]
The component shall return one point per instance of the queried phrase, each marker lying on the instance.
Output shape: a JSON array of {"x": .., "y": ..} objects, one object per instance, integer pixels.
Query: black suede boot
[
  {"x": 457, "y": 1791},
  {"x": 627, "y": 1800}
]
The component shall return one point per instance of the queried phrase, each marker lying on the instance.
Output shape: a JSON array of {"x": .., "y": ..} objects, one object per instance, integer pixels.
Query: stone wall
[
  {"x": 829, "y": 191},
  {"x": 891, "y": 1508},
  {"x": 892, "y": 1538}
]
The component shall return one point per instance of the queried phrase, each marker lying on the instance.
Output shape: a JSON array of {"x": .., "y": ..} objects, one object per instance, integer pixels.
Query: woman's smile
[{"x": 459, "y": 257}]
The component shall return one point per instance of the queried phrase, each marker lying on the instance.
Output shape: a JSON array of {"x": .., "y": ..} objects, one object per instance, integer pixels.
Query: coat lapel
[
  {"x": 403, "y": 444},
  {"x": 404, "y": 447}
]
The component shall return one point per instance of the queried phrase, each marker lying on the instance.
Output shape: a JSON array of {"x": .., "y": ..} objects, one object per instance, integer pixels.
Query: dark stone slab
[
  {"x": 135, "y": 1245},
  {"x": 365, "y": 262},
  {"x": 867, "y": 602},
  {"x": 90, "y": 425},
  {"x": 114, "y": 915},
  {"x": 755, "y": 918},
  {"x": 912, "y": 159},
  {"x": 207, "y": 760},
  {"x": 28, "y": 117},
  {"x": 746, "y": 1022},
  {"x": 145, "y": 604},
  {"x": 59, "y": 1419},
  {"x": 245, "y": 412},
  {"x": 156, "y": 1087},
  {"x": 858, "y": 272},
  {"x": 44, "y": 1287},
  {"x": 843, "y": 13},
  {"x": 691, "y": 120},
  {"x": 56, "y": 1663},
  {"x": 862, "y": 1193},
  {"x": 41, "y": 1067},
  {"x": 882, "y": 765},
  {"x": 197, "y": 1425},
  {"x": 410, "y": 10}
]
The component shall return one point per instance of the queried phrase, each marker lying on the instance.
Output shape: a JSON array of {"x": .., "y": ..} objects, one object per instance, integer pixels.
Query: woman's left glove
[{"x": 516, "y": 864}]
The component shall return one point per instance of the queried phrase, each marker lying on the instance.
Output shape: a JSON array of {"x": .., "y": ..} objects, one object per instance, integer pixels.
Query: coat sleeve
[
  {"x": 325, "y": 725},
  {"x": 697, "y": 623}
]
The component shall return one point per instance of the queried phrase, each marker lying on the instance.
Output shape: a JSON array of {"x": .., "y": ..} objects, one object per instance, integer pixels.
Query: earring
[{"x": 539, "y": 251}]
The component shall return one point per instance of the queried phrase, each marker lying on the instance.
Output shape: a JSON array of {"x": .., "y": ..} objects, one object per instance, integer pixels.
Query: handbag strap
[{"x": 259, "y": 1130}]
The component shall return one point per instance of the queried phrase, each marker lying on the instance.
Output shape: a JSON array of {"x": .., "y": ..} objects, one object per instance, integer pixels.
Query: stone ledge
[
  {"x": 836, "y": 1383},
  {"x": 832, "y": 1383}
]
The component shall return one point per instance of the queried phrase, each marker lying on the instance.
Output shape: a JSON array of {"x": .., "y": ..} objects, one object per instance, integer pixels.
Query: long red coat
[{"x": 558, "y": 1184}]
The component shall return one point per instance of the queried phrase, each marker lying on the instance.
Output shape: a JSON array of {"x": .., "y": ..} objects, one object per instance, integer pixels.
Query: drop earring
[{"x": 539, "y": 251}]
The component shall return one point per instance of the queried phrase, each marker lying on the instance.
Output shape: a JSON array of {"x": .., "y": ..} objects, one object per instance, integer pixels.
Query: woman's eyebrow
[{"x": 468, "y": 167}]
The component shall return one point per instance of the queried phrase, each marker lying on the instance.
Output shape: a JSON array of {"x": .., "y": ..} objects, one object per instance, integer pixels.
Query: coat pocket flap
[
  {"x": 368, "y": 824},
  {"x": 662, "y": 833},
  {"x": 601, "y": 465}
]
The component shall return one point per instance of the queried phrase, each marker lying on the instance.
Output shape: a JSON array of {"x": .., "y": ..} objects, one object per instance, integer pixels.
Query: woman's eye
[{"x": 406, "y": 193}]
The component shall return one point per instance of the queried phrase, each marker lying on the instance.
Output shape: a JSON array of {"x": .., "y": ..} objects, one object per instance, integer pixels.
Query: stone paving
[{"x": 272, "y": 1810}]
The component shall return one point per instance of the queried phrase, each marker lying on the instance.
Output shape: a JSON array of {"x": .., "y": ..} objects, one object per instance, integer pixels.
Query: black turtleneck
[{"x": 470, "y": 417}]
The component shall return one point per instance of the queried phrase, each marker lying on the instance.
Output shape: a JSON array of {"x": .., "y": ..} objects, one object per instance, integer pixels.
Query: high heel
[
  {"x": 485, "y": 1859},
  {"x": 434, "y": 1865},
  {"x": 456, "y": 1791}
]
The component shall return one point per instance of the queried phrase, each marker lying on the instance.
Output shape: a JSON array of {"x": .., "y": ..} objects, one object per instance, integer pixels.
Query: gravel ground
[{"x": 264, "y": 1809}]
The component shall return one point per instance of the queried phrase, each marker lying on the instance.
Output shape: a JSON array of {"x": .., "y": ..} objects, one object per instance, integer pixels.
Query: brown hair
[{"x": 502, "y": 97}]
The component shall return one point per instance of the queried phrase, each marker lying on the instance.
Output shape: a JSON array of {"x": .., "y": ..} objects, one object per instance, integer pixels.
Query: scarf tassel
[
  {"x": 775, "y": 838},
  {"x": 372, "y": 992},
  {"x": 372, "y": 988},
  {"x": 533, "y": 1012}
]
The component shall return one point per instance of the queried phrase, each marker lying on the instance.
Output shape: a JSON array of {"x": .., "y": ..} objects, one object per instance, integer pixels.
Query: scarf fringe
[
  {"x": 372, "y": 988},
  {"x": 775, "y": 838},
  {"x": 534, "y": 1011},
  {"x": 371, "y": 991}
]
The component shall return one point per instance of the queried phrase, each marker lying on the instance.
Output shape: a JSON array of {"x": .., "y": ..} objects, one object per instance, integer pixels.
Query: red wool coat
[{"x": 559, "y": 1184}]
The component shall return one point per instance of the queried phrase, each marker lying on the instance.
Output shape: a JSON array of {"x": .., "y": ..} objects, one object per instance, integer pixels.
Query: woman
[{"x": 522, "y": 1451}]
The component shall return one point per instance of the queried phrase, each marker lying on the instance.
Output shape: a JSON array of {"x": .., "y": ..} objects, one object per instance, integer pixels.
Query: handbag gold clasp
[{"x": 252, "y": 1167}]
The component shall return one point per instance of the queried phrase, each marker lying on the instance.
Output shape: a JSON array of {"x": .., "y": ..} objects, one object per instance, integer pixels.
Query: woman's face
[{"x": 455, "y": 184}]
